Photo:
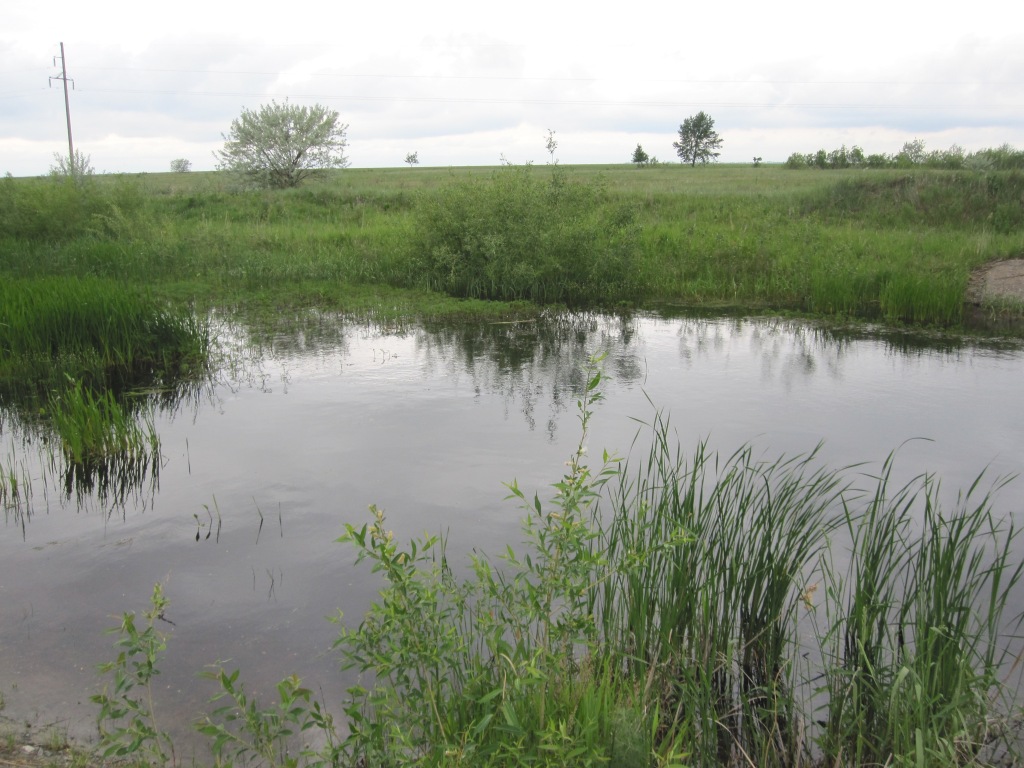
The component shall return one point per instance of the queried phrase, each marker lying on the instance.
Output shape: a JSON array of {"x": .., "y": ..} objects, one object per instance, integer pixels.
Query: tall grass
[
  {"x": 712, "y": 624},
  {"x": 99, "y": 332},
  {"x": 106, "y": 446},
  {"x": 945, "y": 200},
  {"x": 71, "y": 352},
  {"x": 915, "y": 640},
  {"x": 893, "y": 245}
]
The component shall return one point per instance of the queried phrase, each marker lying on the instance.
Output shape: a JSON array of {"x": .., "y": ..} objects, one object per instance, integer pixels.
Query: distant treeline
[{"x": 913, "y": 155}]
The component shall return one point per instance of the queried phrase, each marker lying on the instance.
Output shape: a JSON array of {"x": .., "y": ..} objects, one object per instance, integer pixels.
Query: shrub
[
  {"x": 58, "y": 209},
  {"x": 1002, "y": 158},
  {"x": 524, "y": 235},
  {"x": 795, "y": 161}
]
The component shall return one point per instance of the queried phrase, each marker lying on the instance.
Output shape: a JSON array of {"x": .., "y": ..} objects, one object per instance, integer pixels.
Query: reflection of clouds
[
  {"x": 530, "y": 363},
  {"x": 536, "y": 366}
]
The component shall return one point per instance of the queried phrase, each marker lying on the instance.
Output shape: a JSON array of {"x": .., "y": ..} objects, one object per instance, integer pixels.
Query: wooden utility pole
[{"x": 67, "y": 106}]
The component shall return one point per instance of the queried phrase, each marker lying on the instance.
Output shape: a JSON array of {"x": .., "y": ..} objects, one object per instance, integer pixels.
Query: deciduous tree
[
  {"x": 551, "y": 145},
  {"x": 640, "y": 157},
  {"x": 698, "y": 140},
  {"x": 76, "y": 168},
  {"x": 282, "y": 144}
]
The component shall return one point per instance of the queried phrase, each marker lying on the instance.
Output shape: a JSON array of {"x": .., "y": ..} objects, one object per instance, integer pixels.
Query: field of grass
[{"x": 893, "y": 245}]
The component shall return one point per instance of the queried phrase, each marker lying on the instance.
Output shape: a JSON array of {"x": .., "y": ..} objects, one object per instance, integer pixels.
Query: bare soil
[{"x": 998, "y": 281}]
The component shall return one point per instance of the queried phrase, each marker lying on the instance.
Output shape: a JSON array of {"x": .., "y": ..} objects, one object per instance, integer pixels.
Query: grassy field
[{"x": 895, "y": 245}]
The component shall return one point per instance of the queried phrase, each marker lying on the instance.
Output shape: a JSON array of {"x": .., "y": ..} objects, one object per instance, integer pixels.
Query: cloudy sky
[{"x": 468, "y": 82}]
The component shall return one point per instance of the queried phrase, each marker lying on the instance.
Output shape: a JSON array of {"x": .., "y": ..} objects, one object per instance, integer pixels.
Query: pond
[{"x": 301, "y": 430}]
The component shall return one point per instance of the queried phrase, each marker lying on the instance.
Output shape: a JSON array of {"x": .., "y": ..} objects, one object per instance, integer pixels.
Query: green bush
[
  {"x": 57, "y": 209},
  {"x": 946, "y": 200},
  {"x": 523, "y": 234}
]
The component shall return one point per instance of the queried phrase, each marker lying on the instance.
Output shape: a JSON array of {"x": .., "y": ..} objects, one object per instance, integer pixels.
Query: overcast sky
[{"x": 465, "y": 83}]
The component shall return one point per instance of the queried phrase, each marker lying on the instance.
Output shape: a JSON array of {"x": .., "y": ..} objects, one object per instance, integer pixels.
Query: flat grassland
[{"x": 894, "y": 245}]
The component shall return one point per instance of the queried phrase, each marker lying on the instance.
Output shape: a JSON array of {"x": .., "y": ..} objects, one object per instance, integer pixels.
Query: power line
[
  {"x": 565, "y": 102},
  {"x": 524, "y": 78}
]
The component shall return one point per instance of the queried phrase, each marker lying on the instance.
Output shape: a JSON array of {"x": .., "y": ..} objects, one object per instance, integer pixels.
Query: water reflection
[
  {"x": 123, "y": 474},
  {"x": 534, "y": 367},
  {"x": 306, "y": 421},
  {"x": 533, "y": 363}
]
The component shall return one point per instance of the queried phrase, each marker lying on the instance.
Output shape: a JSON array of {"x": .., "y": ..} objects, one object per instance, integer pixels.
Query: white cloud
[{"x": 467, "y": 81}]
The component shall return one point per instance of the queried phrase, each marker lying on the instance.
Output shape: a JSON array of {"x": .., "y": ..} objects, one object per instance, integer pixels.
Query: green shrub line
[
  {"x": 666, "y": 610},
  {"x": 897, "y": 245}
]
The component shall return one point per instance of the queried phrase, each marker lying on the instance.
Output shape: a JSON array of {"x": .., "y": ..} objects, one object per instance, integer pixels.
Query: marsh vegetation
[{"x": 897, "y": 245}]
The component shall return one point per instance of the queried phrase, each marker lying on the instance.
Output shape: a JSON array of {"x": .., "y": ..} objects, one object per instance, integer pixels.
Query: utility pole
[{"x": 67, "y": 105}]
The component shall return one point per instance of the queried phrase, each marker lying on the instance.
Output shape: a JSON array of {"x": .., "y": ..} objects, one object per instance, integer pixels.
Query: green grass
[
  {"x": 107, "y": 446},
  {"x": 892, "y": 245},
  {"x": 104, "y": 333}
]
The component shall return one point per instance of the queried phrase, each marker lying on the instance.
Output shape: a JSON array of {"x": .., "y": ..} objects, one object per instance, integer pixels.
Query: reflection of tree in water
[
  {"x": 294, "y": 333},
  {"x": 528, "y": 362},
  {"x": 795, "y": 349}
]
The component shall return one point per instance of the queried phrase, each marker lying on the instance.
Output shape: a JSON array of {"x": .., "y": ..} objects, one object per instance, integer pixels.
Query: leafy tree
[
  {"x": 181, "y": 165},
  {"x": 413, "y": 158},
  {"x": 640, "y": 157},
  {"x": 878, "y": 160},
  {"x": 76, "y": 168},
  {"x": 757, "y": 161},
  {"x": 913, "y": 153},
  {"x": 796, "y": 161},
  {"x": 282, "y": 144},
  {"x": 698, "y": 139},
  {"x": 839, "y": 158}
]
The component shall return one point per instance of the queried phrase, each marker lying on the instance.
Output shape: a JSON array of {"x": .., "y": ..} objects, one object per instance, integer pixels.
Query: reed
[
  {"x": 106, "y": 446},
  {"x": 711, "y": 623},
  {"x": 98, "y": 332},
  {"x": 689, "y": 607},
  {"x": 916, "y": 639}
]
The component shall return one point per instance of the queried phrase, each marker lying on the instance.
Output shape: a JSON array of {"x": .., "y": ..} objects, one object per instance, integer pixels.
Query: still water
[{"x": 303, "y": 429}]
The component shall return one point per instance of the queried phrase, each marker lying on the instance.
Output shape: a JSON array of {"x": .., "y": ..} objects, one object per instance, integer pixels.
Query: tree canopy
[
  {"x": 698, "y": 140},
  {"x": 282, "y": 144}
]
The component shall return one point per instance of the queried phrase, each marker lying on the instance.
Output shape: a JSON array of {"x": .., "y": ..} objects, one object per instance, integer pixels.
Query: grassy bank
[{"x": 892, "y": 245}]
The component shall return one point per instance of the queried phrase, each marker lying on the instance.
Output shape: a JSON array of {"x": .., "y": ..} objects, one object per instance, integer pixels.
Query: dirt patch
[{"x": 997, "y": 282}]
